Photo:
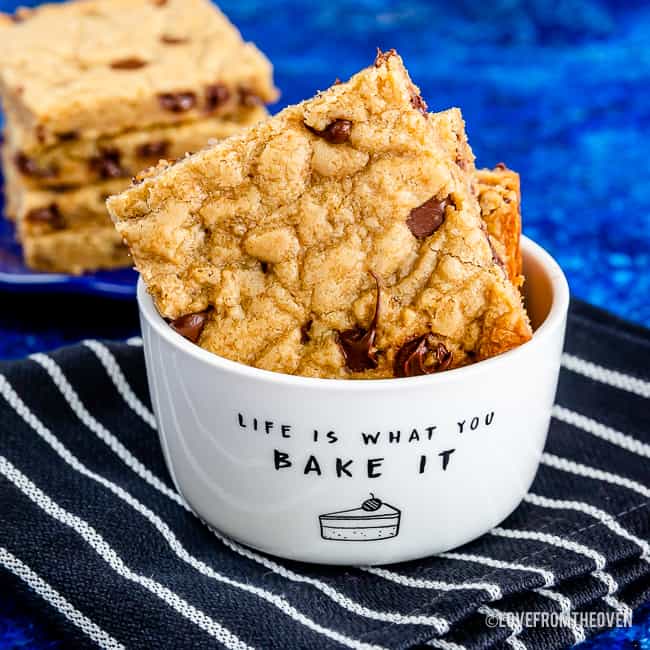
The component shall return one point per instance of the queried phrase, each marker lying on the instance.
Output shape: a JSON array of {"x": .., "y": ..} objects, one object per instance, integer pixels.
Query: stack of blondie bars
[{"x": 95, "y": 91}]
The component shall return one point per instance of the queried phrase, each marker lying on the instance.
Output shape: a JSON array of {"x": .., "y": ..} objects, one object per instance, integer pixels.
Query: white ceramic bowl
[{"x": 275, "y": 461}]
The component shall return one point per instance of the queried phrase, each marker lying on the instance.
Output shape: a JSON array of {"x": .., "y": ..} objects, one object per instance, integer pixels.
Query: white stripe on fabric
[
  {"x": 72, "y": 398},
  {"x": 597, "y": 513},
  {"x": 566, "y": 607},
  {"x": 442, "y": 625},
  {"x": 549, "y": 577},
  {"x": 14, "y": 400},
  {"x": 119, "y": 380},
  {"x": 602, "y": 431},
  {"x": 586, "y": 471},
  {"x": 110, "y": 556},
  {"x": 53, "y": 598},
  {"x": 493, "y": 590},
  {"x": 135, "y": 341},
  {"x": 554, "y": 540},
  {"x": 445, "y": 645},
  {"x": 549, "y": 580},
  {"x": 606, "y": 376},
  {"x": 512, "y": 622}
]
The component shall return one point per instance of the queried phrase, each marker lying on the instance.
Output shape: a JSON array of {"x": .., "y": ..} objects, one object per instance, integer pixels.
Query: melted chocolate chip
[
  {"x": 28, "y": 167},
  {"x": 411, "y": 357},
  {"x": 47, "y": 215},
  {"x": 177, "y": 102},
  {"x": 264, "y": 266},
  {"x": 304, "y": 331},
  {"x": 418, "y": 103},
  {"x": 21, "y": 15},
  {"x": 216, "y": 95},
  {"x": 156, "y": 149},
  {"x": 107, "y": 164},
  {"x": 249, "y": 98},
  {"x": 67, "y": 136},
  {"x": 173, "y": 40},
  {"x": 132, "y": 63},
  {"x": 358, "y": 344},
  {"x": 495, "y": 256},
  {"x": 336, "y": 132},
  {"x": 191, "y": 325},
  {"x": 382, "y": 57},
  {"x": 427, "y": 218}
]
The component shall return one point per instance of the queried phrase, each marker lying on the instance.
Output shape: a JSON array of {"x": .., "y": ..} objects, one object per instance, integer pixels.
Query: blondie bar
[
  {"x": 500, "y": 200},
  {"x": 93, "y": 246},
  {"x": 79, "y": 162},
  {"x": 340, "y": 238},
  {"x": 78, "y": 70},
  {"x": 66, "y": 231}
]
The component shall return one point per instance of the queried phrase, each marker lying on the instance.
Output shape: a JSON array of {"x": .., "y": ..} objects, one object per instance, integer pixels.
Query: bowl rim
[{"x": 554, "y": 320}]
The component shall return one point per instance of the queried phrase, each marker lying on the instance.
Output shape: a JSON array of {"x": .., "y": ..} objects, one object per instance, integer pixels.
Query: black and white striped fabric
[{"x": 95, "y": 539}]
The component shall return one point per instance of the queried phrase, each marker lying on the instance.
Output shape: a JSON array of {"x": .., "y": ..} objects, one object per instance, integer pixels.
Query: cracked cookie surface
[{"x": 340, "y": 238}]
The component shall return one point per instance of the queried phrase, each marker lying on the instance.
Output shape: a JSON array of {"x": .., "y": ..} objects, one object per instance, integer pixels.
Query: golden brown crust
[{"x": 500, "y": 200}]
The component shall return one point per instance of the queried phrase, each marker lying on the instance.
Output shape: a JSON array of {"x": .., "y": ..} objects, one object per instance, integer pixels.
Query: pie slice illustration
[{"x": 374, "y": 520}]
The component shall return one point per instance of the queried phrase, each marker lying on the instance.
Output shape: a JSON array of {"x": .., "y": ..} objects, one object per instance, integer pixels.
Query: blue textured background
[{"x": 559, "y": 90}]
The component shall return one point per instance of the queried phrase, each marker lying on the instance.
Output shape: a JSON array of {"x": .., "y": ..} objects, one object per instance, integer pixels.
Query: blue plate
[{"x": 15, "y": 276}]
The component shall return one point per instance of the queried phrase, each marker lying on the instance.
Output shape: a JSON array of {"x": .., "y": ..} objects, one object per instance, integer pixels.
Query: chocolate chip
[
  {"x": 418, "y": 103},
  {"x": 48, "y": 215},
  {"x": 107, "y": 164},
  {"x": 132, "y": 63},
  {"x": 264, "y": 266},
  {"x": 177, "y": 102},
  {"x": 427, "y": 218},
  {"x": 336, "y": 132},
  {"x": 358, "y": 344},
  {"x": 337, "y": 82},
  {"x": 28, "y": 167},
  {"x": 249, "y": 98},
  {"x": 304, "y": 331},
  {"x": 411, "y": 357},
  {"x": 21, "y": 14},
  {"x": 216, "y": 95},
  {"x": 495, "y": 256},
  {"x": 500, "y": 165},
  {"x": 173, "y": 40},
  {"x": 191, "y": 325},
  {"x": 156, "y": 149},
  {"x": 67, "y": 136},
  {"x": 382, "y": 57}
]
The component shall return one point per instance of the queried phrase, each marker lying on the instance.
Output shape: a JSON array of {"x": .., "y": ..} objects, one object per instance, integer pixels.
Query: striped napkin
[{"x": 94, "y": 537}]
